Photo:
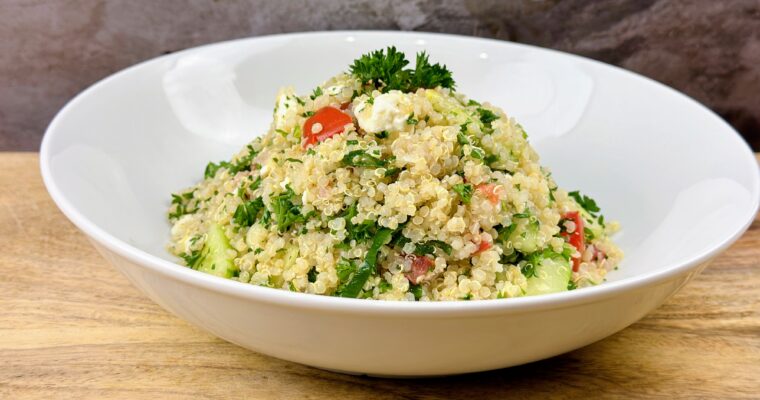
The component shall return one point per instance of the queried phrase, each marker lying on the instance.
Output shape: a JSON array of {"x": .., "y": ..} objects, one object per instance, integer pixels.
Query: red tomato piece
[
  {"x": 489, "y": 190},
  {"x": 484, "y": 245},
  {"x": 324, "y": 124},
  {"x": 420, "y": 266},
  {"x": 576, "y": 239}
]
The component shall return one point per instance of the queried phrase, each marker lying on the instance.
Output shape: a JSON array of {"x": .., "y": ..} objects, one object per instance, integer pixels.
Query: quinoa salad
[{"x": 386, "y": 183}]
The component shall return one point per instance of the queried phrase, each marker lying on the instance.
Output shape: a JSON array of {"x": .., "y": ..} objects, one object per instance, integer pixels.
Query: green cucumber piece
[
  {"x": 215, "y": 259},
  {"x": 551, "y": 275}
]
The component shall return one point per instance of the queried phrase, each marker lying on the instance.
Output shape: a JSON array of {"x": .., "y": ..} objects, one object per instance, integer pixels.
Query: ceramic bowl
[{"x": 681, "y": 182}]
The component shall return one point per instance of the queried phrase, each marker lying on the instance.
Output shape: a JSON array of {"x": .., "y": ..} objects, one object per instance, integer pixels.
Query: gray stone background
[{"x": 52, "y": 49}]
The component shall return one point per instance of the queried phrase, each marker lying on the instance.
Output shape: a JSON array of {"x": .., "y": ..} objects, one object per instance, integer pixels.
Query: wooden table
[{"x": 73, "y": 327}]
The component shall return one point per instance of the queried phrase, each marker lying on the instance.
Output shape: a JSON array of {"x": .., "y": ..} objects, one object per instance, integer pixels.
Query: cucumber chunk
[
  {"x": 215, "y": 257},
  {"x": 551, "y": 275}
]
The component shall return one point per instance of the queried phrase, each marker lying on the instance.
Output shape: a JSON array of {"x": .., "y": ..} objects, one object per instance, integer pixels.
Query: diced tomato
[
  {"x": 576, "y": 239},
  {"x": 484, "y": 245},
  {"x": 420, "y": 266},
  {"x": 331, "y": 122},
  {"x": 489, "y": 190}
]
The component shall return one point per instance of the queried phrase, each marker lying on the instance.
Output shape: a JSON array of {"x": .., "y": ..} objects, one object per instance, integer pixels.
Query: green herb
[
  {"x": 344, "y": 268},
  {"x": 359, "y": 232},
  {"x": 505, "y": 232},
  {"x": 193, "y": 259},
  {"x": 286, "y": 212},
  {"x": 317, "y": 92},
  {"x": 428, "y": 75},
  {"x": 293, "y": 160},
  {"x": 300, "y": 101},
  {"x": 588, "y": 234},
  {"x": 384, "y": 286},
  {"x": 410, "y": 120},
  {"x": 384, "y": 70},
  {"x": 246, "y": 214},
  {"x": 462, "y": 139},
  {"x": 491, "y": 159},
  {"x": 428, "y": 247},
  {"x": 521, "y": 215},
  {"x": 307, "y": 114},
  {"x": 258, "y": 250},
  {"x": 416, "y": 291},
  {"x": 352, "y": 142},
  {"x": 382, "y": 135},
  {"x": 354, "y": 286},
  {"x": 392, "y": 171},
  {"x": 371, "y": 100},
  {"x": 586, "y": 202},
  {"x": 464, "y": 190},
  {"x": 242, "y": 164},
  {"x": 256, "y": 184},
  {"x": 477, "y": 153},
  {"x": 360, "y": 158},
  {"x": 472, "y": 103},
  {"x": 311, "y": 152},
  {"x": 529, "y": 270},
  {"x": 467, "y": 297},
  {"x": 487, "y": 116},
  {"x": 571, "y": 285},
  {"x": 182, "y": 205},
  {"x": 281, "y": 132},
  {"x": 312, "y": 274}
]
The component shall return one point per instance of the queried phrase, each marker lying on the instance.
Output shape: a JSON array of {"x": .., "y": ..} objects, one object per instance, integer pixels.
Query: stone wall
[{"x": 52, "y": 49}]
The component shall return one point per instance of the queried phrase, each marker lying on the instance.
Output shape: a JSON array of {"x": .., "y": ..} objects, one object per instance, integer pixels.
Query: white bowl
[{"x": 681, "y": 182}]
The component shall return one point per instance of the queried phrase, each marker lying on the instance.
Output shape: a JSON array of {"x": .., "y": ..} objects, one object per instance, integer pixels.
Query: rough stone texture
[{"x": 52, "y": 49}]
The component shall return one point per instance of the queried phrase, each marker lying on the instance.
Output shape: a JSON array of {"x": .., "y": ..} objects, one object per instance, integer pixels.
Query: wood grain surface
[{"x": 73, "y": 327}]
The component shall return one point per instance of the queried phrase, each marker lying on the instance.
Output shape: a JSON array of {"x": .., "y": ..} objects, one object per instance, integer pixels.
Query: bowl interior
[{"x": 678, "y": 179}]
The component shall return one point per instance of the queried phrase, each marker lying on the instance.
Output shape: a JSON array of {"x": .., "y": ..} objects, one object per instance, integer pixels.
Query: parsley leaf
[
  {"x": 428, "y": 247},
  {"x": 384, "y": 70},
  {"x": 286, "y": 212},
  {"x": 487, "y": 116},
  {"x": 246, "y": 214},
  {"x": 360, "y": 158},
  {"x": 586, "y": 202},
  {"x": 181, "y": 204},
  {"x": 464, "y": 190},
  {"x": 317, "y": 92},
  {"x": 353, "y": 287}
]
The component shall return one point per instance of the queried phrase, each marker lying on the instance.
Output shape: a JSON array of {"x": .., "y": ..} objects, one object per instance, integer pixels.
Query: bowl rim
[{"x": 389, "y": 308}]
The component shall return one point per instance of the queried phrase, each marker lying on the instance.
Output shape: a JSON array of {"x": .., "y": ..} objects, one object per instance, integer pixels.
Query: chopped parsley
[
  {"x": 487, "y": 116},
  {"x": 464, "y": 190},
  {"x": 382, "y": 135},
  {"x": 193, "y": 259},
  {"x": 256, "y": 184},
  {"x": 182, "y": 205},
  {"x": 307, "y": 114},
  {"x": 491, "y": 159},
  {"x": 360, "y": 158},
  {"x": 295, "y": 160},
  {"x": 317, "y": 92},
  {"x": 428, "y": 247},
  {"x": 416, "y": 290},
  {"x": 354, "y": 286},
  {"x": 247, "y": 213},
  {"x": 477, "y": 153},
  {"x": 312, "y": 274},
  {"x": 352, "y": 142},
  {"x": 384, "y": 286},
  {"x": 241, "y": 164},
  {"x": 410, "y": 120},
  {"x": 586, "y": 202},
  {"x": 286, "y": 212},
  {"x": 385, "y": 70}
]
